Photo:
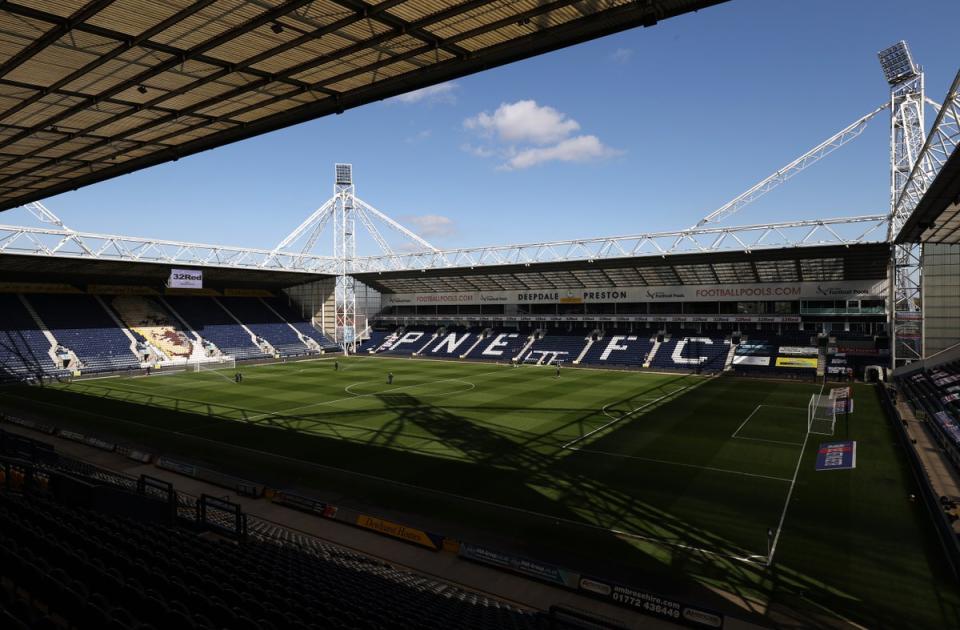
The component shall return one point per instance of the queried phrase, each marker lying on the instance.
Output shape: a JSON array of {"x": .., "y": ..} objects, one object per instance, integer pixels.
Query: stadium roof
[
  {"x": 30, "y": 269},
  {"x": 810, "y": 264},
  {"x": 936, "y": 219},
  {"x": 92, "y": 89}
]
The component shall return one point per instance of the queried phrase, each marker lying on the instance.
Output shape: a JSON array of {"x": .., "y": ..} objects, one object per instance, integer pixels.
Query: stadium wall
[
  {"x": 941, "y": 297},
  {"x": 316, "y": 300}
]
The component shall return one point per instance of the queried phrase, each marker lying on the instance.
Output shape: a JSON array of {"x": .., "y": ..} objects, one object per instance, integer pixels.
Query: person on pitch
[
  {"x": 558, "y": 371},
  {"x": 389, "y": 378},
  {"x": 336, "y": 366}
]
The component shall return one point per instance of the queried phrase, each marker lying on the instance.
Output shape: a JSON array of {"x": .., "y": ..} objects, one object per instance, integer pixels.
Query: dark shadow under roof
[
  {"x": 93, "y": 89},
  {"x": 29, "y": 269},
  {"x": 806, "y": 264}
]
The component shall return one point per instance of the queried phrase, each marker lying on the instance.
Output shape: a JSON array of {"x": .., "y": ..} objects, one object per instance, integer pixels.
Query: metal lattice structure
[
  {"x": 941, "y": 143},
  {"x": 907, "y": 136},
  {"x": 847, "y": 134},
  {"x": 696, "y": 240}
]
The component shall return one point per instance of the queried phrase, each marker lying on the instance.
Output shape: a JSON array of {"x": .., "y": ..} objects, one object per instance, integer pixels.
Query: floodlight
[
  {"x": 276, "y": 27},
  {"x": 142, "y": 89},
  {"x": 344, "y": 174},
  {"x": 897, "y": 63}
]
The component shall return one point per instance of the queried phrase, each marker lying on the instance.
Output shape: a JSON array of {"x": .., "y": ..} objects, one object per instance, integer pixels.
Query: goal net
[
  {"x": 223, "y": 363},
  {"x": 821, "y": 415}
]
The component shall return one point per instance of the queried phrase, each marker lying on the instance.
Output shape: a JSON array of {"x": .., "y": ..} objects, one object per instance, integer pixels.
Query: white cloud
[
  {"x": 524, "y": 121},
  {"x": 577, "y": 149},
  {"x": 431, "y": 225},
  {"x": 621, "y": 55},
  {"x": 479, "y": 151},
  {"x": 440, "y": 93},
  {"x": 524, "y": 134}
]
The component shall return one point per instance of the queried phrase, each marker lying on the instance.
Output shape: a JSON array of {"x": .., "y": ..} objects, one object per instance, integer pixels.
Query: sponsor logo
[
  {"x": 445, "y": 297},
  {"x": 486, "y": 297},
  {"x": 664, "y": 295},
  {"x": 604, "y": 295},
  {"x": 839, "y": 292},
  {"x": 748, "y": 292},
  {"x": 702, "y": 617},
  {"x": 533, "y": 297},
  {"x": 595, "y": 587}
]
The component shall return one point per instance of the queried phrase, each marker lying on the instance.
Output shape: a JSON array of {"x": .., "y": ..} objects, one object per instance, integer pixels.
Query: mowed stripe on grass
[{"x": 847, "y": 539}]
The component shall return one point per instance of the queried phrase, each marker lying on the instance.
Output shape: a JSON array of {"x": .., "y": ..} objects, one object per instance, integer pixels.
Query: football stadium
[{"x": 726, "y": 425}]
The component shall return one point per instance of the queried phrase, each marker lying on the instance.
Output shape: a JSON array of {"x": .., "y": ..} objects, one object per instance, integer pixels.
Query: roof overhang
[
  {"x": 936, "y": 219},
  {"x": 79, "y": 272},
  {"x": 866, "y": 261},
  {"x": 93, "y": 89}
]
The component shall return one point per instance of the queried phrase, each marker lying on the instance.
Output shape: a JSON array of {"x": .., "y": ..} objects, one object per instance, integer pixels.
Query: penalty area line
[{"x": 603, "y": 410}]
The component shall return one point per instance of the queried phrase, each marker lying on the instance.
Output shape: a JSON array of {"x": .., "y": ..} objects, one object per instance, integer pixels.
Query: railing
[{"x": 862, "y": 310}]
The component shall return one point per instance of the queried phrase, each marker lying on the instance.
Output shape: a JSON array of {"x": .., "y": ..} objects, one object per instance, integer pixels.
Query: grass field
[{"x": 670, "y": 481}]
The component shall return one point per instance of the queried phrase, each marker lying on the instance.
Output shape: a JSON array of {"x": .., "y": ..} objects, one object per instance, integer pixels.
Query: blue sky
[{"x": 645, "y": 130}]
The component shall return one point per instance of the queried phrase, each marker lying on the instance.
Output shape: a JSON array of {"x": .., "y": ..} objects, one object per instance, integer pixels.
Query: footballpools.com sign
[{"x": 185, "y": 279}]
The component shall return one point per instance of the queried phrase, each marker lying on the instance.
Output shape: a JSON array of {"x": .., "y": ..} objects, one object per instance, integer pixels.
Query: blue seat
[{"x": 82, "y": 324}]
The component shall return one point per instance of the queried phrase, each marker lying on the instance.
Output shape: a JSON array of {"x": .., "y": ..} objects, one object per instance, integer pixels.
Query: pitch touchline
[{"x": 685, "y": 465}]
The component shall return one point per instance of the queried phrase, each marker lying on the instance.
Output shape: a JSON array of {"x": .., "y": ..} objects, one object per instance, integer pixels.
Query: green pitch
[{"x": 677, "y": 482}]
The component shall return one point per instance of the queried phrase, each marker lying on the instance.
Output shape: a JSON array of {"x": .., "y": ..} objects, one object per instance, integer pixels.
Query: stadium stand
[
  {"x": 215, "y": 325},
  {"x": 374, "y": 341},
  {"x": 691, "y": 350},
  {"x": 266, "y": 324},
  {"x": 407, "y": 340},
  {"x": 557, "y": 344},
  {"x": 500, "y": 344},
  {"x": 621, "y": 348},
  {"x": 147, "y": 319},
  {"x": 74, "y": 563},
  {"x": 302, "y": 325},
  {"x": 24, "y": 349},
  {"x": 935, "y": 394},
  {"x": 82, "y": 324},
  {"x": 454, "y": 342}
]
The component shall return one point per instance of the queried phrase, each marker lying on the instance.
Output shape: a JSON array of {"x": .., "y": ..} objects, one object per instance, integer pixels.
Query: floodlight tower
[
  {"x": 907, "y": 137},
  {"x": 344, "y": 250}
]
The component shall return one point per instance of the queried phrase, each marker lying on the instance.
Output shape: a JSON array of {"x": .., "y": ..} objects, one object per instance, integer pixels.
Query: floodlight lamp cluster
[
  {"x": 344, "y": 174},
  {"x": 897, "y": 63}
]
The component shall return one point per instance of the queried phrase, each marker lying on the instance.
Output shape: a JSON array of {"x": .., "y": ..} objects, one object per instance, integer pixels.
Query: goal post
[
  {"x": 821, "y": 415},
  {"x": 223, "y": 363}
]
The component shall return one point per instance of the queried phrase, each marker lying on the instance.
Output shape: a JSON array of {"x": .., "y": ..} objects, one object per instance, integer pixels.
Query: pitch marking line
[
  {"x": 786, "y": 504},
  {"x": 685, "y": 465},
  {"x": 745, "y": 558},
  {"x": 354, "y": 397},
  {"x": 622, "y": 417},
  {"x": 472, "y": 386},
  {"x": 752, "y": 413}
]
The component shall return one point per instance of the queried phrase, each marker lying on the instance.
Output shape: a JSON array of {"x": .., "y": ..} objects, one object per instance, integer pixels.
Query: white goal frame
[
  {"x": 223, "y": 363},
  {"x": 821, "y": 415}
]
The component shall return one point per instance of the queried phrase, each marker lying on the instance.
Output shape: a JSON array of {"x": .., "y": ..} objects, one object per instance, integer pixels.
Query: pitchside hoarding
[{"x": 684, "y": 293}]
